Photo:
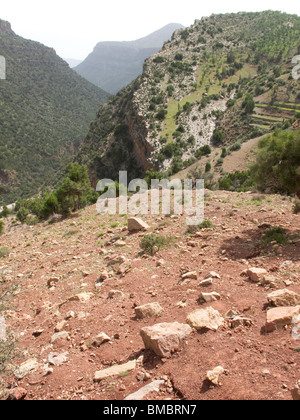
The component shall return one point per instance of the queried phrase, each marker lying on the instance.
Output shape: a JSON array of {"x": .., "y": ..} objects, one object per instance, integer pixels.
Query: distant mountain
[
  {"x": 73, "y": 62},
  {"x": 113, "y": 65},
  {"x": 45, "y": 111}
]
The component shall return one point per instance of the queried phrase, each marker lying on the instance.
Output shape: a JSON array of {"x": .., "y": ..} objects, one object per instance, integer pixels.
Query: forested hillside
[
  {"x": 45, "y": 112},
  {"x": 222, "y": 81}
]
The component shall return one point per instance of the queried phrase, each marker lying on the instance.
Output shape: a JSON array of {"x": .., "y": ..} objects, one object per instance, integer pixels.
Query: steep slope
[
  {"x": 208, "y": 86},
  {"x": 113, "y": 65},
  {"x": 45, "y": 111}
]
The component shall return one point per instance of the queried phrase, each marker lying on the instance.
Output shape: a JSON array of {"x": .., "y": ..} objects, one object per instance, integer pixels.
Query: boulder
[
  {"x": 149, "y": 310},
  {"x": 278, "y": 318},
  {"x": 207, "y": 318},
  {"x": 284, "y": 297},
  {"x": 256, "y": 274},
  {"x": 135, "y": 224},
  {"x": 165, "y": 338}
]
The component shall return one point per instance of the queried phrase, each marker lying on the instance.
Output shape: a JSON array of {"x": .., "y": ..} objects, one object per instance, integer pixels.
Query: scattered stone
[
  {"x": 284, "y": 297},
  {"x": 120, "y": 243},
  {"x": 104, "y": 275},
  {"x": 207, "y": 318},
  {"x": 52, "y": 281},
  {"x": 296, "y": 392},
  {"x": 69, "y": 315},
  {"x": 278, "y": 318},
  {"x": 206, "y": 282},
  {"x": 31, "y": 365},
  {"x": 209, "y": 297},
  {"x": 164, "y": 338},
  {"x": 116, "y": 370},
  {"x": 115, "y": 294},
  {"x": 100, "y": 339},
  {"x": 16, "y": 394},
  {"x": 269, "y": 281},
  {"x": 63, "y": 335},
  {"x": 212, "y": 275},
  {"x": 81, "y": 297},
  {"x": 2, "y": 329},
  {"x": 256, "y": 274},
  {"x": 237, "y": 320},
  {"x": 56, "y": 359},
  {"x": 60, "y": 326},
  {"x": 37, "y": 332},
  {"x": 190, "y": 275},
  {"x": 136, "y": 224},
  {"x": 213, "y": 376},
  {"x": 160, "y": 262},
  {"x": 124, "y": 268},
  {"x": 143, "y": 392},
  {"x": 149, "y": 310}
]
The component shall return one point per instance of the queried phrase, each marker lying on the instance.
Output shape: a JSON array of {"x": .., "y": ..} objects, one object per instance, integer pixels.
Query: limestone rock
[
  {"x": 296, "y": 392},
  {"x": 190, "y": 275},
  {"x": 256, "y": 274},
  {"x": 31, "y": 365},
  {"x": 209, "y": 297},
  {"x": 164, "y": 338},
  {"x": 213, "y": 376},
  {"x": 207, "y": 318},
  {"x": 143, "y": 392},
  {"x": 116, "y": 370},
  {"x": 115, "y": 294},
  {"x": 81, "y": 297},
  {"x": 16, "y": 394},
  {"x": 277, "y": 318},
  {"x": 2, "y": 329},
  {"x": 56, "y": 359},
  {"x": 136, "y": 224},
  {"x": 284, "y": 297},
  {"x": 63, "y": 335},
  {"x": 100, "y": 339},
  {"x": 149, "y": 310}
]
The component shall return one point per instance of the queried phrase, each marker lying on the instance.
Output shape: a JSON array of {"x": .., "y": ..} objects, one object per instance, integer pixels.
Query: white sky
[{"x": 74, "y": 27}]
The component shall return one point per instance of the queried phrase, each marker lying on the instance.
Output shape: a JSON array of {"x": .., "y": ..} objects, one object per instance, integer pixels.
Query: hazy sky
[{"x": 74, "y": 27}]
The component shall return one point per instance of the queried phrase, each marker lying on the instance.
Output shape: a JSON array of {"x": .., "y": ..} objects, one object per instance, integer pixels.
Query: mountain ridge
[{"x": 114, "y": 64}]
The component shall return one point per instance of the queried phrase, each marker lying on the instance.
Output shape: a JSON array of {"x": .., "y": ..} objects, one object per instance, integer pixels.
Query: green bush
[
  {"x": 4, "y": 252},
  {"x": 277, "y": 234},
  {"x": 151, "y": 240},
  {"x": 1, "y": 227},
  {"x": 278, "y": 162}
]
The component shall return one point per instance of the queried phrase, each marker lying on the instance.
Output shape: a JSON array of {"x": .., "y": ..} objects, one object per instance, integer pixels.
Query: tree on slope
[{"x": 277, "y": 166}]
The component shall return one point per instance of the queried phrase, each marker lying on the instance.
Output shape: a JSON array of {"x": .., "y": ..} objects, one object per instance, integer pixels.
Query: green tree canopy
[{"x": 277, "y": 166}]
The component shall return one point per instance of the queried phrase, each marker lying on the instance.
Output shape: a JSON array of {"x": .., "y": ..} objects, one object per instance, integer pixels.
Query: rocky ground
[{"x": 80, "y": 286}]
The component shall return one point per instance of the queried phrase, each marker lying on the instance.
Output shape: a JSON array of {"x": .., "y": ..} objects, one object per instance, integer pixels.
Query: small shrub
[
  {"x": 4, "y": 252},
  {"x": 296, "y": 208},
  {"x": 151, "y": 240},
  {"x": 277, "y": 234},
  {"x": 206, "y": 224},
  {"x": 1, "y": 227}
]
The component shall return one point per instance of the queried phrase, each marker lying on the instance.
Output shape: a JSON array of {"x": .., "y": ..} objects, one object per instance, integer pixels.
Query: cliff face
[
  {"x": 195, "y": 91},
  {"x": 5, "y": 27}
]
